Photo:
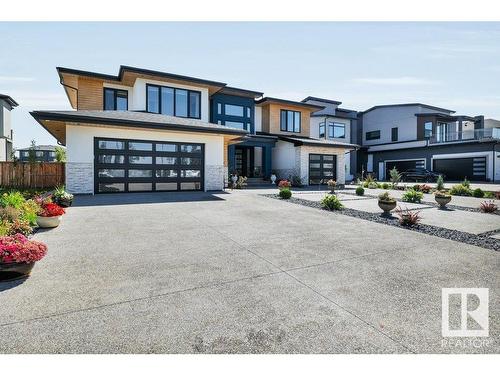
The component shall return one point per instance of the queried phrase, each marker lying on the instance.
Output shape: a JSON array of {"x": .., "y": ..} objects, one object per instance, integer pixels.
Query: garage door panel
[
  {"x": 122, "y": 165},
  {"x": 322, "y": 168},
  {"x": 404, "y": 165},
  {"x": 457, "y": 169}
]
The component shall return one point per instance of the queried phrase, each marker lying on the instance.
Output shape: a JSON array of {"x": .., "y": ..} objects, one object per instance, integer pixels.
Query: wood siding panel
[
  {"x": 271, "y": 114},
  {"x": 90, "y": 94}
]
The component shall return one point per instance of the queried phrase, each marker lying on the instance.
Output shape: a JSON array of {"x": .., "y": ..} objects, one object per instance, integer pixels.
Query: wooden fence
[{"x": 31, "y": 175}]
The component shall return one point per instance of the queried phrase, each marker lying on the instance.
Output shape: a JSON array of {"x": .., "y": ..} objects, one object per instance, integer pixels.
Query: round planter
[
  {"x": 387, "y": 207},
  {"x": 442, "y": 201},
  {"x": 48, "y": 222},
  {"x": 15, "y": 271}
]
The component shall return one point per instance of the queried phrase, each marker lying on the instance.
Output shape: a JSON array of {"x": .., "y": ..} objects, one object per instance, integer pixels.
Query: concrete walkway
[{"x": 236, "y": 273}]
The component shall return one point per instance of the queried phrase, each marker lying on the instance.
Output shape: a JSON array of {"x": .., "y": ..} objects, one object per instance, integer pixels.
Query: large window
[
  {"x": 428, "y": 129},
  {"x": 173, "y": 101},
  {"x": 372, "y": 135},
  {"x": 115, "y": 100},
  {"x": 290, "y": 121},
  {"x": 336, "y": 130},
  {"x": 322, "y": 129},
  {"x": 234, "y": 110}
]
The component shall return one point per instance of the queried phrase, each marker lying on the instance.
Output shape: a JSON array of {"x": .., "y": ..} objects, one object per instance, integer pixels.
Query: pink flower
[{"x": 19, "y": 249}]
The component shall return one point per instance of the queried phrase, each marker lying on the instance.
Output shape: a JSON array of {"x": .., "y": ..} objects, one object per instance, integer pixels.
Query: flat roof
[
  {"x": 9, "y": 100},
  {"x": 321, "y": 100},
  {"x": 269, "y": 99},
  {"x": 408, "y": 105},
  {"x": 308, "y": 141}
]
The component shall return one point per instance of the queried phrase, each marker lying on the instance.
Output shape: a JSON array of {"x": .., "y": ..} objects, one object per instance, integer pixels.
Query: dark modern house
[
  {"x": 43, "y": 153},
  {"x": 415, "y": 135}
]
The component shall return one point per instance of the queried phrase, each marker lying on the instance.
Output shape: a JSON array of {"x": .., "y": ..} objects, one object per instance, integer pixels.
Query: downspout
[{"x": 71, "y": 87}]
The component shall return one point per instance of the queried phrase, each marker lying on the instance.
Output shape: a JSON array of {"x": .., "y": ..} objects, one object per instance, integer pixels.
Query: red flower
[
  {"x": 51, "y": 209},
  {"x": 284, "y": 184},
  {"x": 18, "y": 249}
]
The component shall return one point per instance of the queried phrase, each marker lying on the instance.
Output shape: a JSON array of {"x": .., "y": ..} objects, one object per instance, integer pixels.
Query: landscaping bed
[{"x": 481, "y": 240}]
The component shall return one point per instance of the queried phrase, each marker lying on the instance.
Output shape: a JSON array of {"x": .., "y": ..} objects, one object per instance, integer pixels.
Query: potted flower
[
  {"x": 18, "y": 255},
  {"x": 62, "y": 197},
  {"x": 332, "y": 184},
  {"x": 442, "y": 198},
  {"x": 273, "y": 178},
  {"x": 386, "y": 203},
  {"x": 49, "y": 215}
]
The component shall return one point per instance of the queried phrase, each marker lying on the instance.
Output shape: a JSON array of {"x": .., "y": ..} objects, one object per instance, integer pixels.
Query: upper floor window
[
  {"x": 322, "y": 131},
  {"x": 336, "y": 130},
  {"x": 115, "y": 100},
  {"x": 236, "y": 124},
  {"x": 290, "y": 121},
  {"x": 372, "y": 135},
  {"x": 234, "y": 110},
  {"x": 173, "y": 101},
  {"x": 428, "y": 129},
  {"x": 394, "y": 134}
]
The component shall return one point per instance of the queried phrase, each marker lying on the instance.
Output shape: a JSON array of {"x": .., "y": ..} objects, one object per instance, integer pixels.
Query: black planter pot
[
  {"x": 15, "y": 271},
  {"x": 64, "y": 202}
]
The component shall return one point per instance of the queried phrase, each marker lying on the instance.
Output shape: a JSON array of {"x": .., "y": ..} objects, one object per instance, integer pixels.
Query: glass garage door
[
  {"x": 322, "y": 168},
  {"x": 122, "y": 165}
]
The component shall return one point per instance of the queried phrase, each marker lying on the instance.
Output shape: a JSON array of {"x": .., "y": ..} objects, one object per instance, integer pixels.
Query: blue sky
[{"x": 453, "y": 65}]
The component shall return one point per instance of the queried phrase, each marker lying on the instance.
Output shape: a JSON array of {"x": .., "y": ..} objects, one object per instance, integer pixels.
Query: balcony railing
[{"x": 466, "y": 135}]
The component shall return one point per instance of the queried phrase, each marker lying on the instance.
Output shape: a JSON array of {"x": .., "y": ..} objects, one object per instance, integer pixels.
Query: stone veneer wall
[
  {"x": 302, "y": 161},
  {"x": 80, "y": 178},
  {"x": 214, "y": 177}
]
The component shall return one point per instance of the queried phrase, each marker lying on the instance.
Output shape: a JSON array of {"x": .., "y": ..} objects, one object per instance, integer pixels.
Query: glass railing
[{"x": 466, "y": 135}]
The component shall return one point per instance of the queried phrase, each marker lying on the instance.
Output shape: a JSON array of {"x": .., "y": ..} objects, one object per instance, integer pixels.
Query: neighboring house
[
  {"x": 415, "y": 135},
  {"x": 145, "y": 130},
  {"x": 6, "y": 133},
  {"x": 43, "y": 153}
]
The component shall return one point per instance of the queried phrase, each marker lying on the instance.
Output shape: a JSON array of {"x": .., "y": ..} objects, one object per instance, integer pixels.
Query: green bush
[
  {"x": 489, "y": 195},
  {"x": 416, "y": 187},
  {"x": 466, "y": 183},
  {"x": 12, "y": 199},
  {"x": 360, "y": 190},
  {"x": 385, "y": 186},
  {"x": 478, "y": 193},
  {"x": 331, "y": 202},
  {"x": 285, "y": 193},
  {"x": 372, "y": 185},
  {"x": 460, "y": 190},
  {"x": 29, "y": 211},
  {"x": 412, "y": 196},
  {"x": 440, "y": 183}
]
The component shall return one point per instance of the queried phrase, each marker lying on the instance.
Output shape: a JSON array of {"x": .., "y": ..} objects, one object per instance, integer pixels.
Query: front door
[{"x": 322, "y": 168}]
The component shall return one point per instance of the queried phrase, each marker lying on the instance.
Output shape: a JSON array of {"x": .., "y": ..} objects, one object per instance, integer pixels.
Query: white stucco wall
[
  {"x": 139, "y": 95},
  {"x": 80, "y": 152},
  {"x": 5, "y": 119},
  {"x": 258, "y": 119}
]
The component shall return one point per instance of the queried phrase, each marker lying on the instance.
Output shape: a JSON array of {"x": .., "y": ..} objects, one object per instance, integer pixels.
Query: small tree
[
  {"x": 395, "y": 177},
  {"x": 60, "y": 154},
  {"x": 32, "y": 152},
  {"x": 440, "y": 183}
]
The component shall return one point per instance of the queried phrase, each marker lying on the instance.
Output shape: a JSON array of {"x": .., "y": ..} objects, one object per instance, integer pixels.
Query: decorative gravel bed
[{"x": 481, "y": 240}]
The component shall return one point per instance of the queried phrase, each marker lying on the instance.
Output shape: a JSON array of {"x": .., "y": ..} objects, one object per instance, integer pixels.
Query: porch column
[
  {"x": 231, "y": 158},
  {"x": 267, "y": 156}
]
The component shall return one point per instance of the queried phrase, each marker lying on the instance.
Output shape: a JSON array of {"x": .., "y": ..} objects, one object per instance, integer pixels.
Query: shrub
[
  {"x": 385, "y": 185},
  {"x": 29, "y": 211},
  {"x": 360, "y": 190},
  {"x": 61, "y": 193},
  {"x": 9, "y": 213},
  {"x": 4, "y": 228},
  {"x": 408, "y": 218},
  {"x": 460, "y": 190},
  {"x": 425, "y": 188},
  {"x": 284, "y": 184},
  {"x": 51, "y": 209},
  {"x": 385, "y": 197},
  {"x": 488, "y": 207},
  {"x": 12, "y": 199},
  {"x": 466, "y": 183},
  {"x": 331, "y": 202},
  {"x": 285, "y": 193},
  {"x": 369, "y": 178},
  {"x": 395, "y": 176},
  {"x": 332, "y": 184},
  {"x": 489, "y": 195},
  {"x": 372, "y": 185},
  {"x": 478, "y": 193},
  {"x": 18, "y": 249},
  {"x": 440, "y": 183},
  {"x": 416, "y": 187},
  {"x": 20, "y": 226},
  {"x": 412, "y": 196}
]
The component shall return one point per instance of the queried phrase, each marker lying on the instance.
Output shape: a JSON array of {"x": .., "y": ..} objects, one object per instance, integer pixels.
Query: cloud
[
  {"x": 16, "y": 79},
  {"x": 396, "y": 81}
]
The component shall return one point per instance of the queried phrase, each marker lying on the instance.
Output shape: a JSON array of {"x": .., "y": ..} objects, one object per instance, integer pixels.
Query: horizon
[{"x": 362, "y": 64}]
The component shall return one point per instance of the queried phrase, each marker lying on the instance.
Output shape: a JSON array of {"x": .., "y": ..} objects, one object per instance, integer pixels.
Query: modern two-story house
[
  {"x": 7, "y": 104},
  {"x": 42, "y": 153},
  {"x": 415, "y": 135},
  {"x": 145, "y": 130}
]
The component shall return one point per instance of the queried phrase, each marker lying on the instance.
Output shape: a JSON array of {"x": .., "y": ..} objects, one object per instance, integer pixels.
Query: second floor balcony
[{"x": 466, "y": 136}]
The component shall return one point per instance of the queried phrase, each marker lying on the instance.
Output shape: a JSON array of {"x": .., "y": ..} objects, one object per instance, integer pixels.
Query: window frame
[
  {"x": 188, "y": 109},
  {"x": 394, "y": 134},
  {"x": 115, "y": 98},
  {"x": 285, "y": 126},
  {"x": 372, "y": 137},
  {"x": 322, "y": 125},
  {"x": 333, "y": 125},
  {"x": 427, "y": 136}
]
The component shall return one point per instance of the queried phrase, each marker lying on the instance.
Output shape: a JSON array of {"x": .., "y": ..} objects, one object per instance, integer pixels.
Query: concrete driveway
[{"x": 237, "y": 273}]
